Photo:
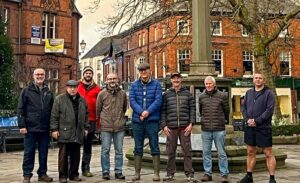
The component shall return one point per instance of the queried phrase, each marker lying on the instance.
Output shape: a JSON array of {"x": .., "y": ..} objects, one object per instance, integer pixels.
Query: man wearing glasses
[
  {"x": 34, "y": 110},
  {"x": 145, "y": 101},
  {"x": 111, "y": 107}
]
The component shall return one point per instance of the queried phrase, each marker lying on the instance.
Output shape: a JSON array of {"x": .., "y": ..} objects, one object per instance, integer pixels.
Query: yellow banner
[{"x": 54, "y": 45}]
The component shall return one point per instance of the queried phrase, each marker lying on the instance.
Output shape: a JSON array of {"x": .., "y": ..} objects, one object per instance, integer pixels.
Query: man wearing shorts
[{"x": 258, "y": 110}]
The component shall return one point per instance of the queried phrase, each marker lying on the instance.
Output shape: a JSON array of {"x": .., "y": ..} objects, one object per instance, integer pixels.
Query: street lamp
[{"x": 82, "y": 46}]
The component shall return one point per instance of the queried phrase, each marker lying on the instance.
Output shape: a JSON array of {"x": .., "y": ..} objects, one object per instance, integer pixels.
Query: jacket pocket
[{"x": 64, "y": 133}]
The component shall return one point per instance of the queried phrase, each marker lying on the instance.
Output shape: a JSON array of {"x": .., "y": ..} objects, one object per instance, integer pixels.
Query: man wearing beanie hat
[{"x": 89, "y": 90}]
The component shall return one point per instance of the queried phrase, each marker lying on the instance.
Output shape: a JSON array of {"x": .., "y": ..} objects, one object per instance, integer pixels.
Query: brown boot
[
  {"x": 26, "y": 179},
  {"x": 156, "y": 167},
  {"x": 45, "y": 178},
  {"x": 137, "y": 166}
]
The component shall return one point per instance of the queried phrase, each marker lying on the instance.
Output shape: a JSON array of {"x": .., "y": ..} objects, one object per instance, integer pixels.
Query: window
[
  {"x": 245, "y": 33},
  {"x": 165, "y": 67},
  {"x": 216, "y": 28},
  {"x": 52, "y": 76},
  {"x": 248, "y": 59},
  {"x": 128, "y": 44},
  {"x": 155, "y": 66},
  {"x": 285, "y": 60},
  {"x": 164, "y": 31},
  {"x": 4, "y": 18},
  {"x": 99, "y": 64},
  {"x": 48, "y": 26},
  {"x": 141, "y": 60},
  {"x": 182, "y": 27},
  {"x": 183, "y": 59},
  {"x": 283, "y": 33},
  {"x": 144, "y": 39},
  {"x": 99, "y": 79},
  {"x": 140, "y": 40},
  {"x": 155, "y": 34},
  {"x": 217, "y": 58}
]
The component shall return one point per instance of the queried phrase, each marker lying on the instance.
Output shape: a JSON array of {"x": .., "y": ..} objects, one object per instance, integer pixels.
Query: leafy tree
[{"x": 8, "y": 99}]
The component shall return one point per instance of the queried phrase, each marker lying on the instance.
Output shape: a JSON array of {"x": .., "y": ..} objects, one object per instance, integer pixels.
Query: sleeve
[
  {"x": 133, "y": 103},
  {"x": 54, "y": 119},
  {"x": 125, "y": 103},
  {"x": 192, "y": 104},
  {"x": 163, "y": 115},
  {"x": 99, "y": 105},
  {"x": 86, "y": 121},
  {"x": 244, "y": 111},
  {"x": 22, "y": 109},
  {"x": 225, "y": 104}
]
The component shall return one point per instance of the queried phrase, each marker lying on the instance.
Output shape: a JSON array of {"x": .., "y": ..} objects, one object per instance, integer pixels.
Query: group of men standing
[{"x": 73, "y": 117}]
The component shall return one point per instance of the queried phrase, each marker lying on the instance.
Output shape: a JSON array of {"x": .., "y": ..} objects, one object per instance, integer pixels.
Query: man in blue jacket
[
  {"x": 35, "y": 104},
  {"x": 145, "y": 100},
  {"x": 258, "y": 110}
]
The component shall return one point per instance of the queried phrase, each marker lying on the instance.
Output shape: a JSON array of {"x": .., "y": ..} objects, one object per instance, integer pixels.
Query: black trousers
[{"x": 68, "y": 160}]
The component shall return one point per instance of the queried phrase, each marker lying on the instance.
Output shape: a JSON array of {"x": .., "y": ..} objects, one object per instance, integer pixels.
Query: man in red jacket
[{"x": 89, "y": 90}]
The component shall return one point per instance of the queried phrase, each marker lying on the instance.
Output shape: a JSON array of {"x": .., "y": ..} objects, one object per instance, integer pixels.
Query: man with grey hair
[
  {"x": 35, "y": 104},
  {"x": 214, "y": 111}
]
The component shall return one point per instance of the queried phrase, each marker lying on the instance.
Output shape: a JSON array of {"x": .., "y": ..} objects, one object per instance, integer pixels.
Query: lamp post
[{"x": 82, "y": 47}]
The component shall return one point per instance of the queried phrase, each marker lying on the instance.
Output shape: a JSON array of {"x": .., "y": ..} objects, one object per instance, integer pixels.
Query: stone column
[{"x": 202, "y": 64}]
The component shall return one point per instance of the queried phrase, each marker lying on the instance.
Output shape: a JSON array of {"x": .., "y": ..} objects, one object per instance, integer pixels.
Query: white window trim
[
  {"x": 178, "y": 63},
  {"x": 222, "y": 62},
  {"x": 253, "y": 71},
  {"x": 155, "y": 66},
  {"x": 243, "y": 31},
  {"x": 283, "y": 33},
  {"x": 140, "y": 40},
  {"x": 47, "y": 26},
  {"x": 164, "y": 63},
  {"x": 144, "y": 39},
  {"x": 155, "y": 34},
  {"x": 186, "y": 26},
  {"x": 290, "y": 60},
  {"x": 213, "y": 30},
  {"x": 5, "y": 14}
]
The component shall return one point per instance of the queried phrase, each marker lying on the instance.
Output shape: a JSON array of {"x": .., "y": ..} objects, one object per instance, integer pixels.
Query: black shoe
[
  {"x": 206, "y": 178},
  {"x": 272, "y": 181},
  {"x": 105, "y": 176},
  {"x": 246, "y": 179},
  {"x": 119, "y": 176},
  {"x": 77, "y": 179}
]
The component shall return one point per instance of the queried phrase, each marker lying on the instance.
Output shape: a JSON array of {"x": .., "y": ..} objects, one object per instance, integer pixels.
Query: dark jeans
[
  {"x": 68, "y": 160},
  {"x": 42, "y": 140},
  {"x": 140, "y": 130},
  {"x": 87, "y": 148},
  {"x": 185, "y": 142}
]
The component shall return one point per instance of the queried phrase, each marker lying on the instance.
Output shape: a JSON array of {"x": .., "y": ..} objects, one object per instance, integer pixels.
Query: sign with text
[
  {"x": 54, "y": 45},
  {"x": 35, "y": 35}
]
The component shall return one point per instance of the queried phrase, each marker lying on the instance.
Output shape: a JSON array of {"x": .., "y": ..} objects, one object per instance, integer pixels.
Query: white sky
[{"x": 88, "y": 23}]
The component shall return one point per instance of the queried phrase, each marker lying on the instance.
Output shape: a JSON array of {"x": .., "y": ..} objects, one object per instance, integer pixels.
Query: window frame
[
  {"x": 184, "y": 55},
  {"x": 48, "y": 29},
  {"x": 247, "y": 56},
  {"x": 218, "y": 57},
  {"x": 213, "y": 29},
  {"x": 185, "y": 29},
  {"x": 286, "y": 55}
]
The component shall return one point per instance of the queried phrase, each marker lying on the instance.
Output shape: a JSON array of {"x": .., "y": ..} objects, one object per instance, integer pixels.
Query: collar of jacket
[
  {"x": 92, "y": 84},
  {"x": 150, "y": 79},
  {"x": 77, "y": 96},
  {"x": 181, "y": 89},
  {"x": 211, "y": 92},
  {"x": 113, "y": 90},
  {"x": 34, "y": 87}
]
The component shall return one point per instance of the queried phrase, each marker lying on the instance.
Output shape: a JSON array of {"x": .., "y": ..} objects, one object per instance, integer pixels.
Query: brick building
[
  {"x": 164, "y": 40},
  {"x": 44, "y": 33}
]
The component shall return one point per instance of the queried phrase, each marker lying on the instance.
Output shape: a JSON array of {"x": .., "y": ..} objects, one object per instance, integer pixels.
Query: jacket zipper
[{"x": 177, "y": 106}]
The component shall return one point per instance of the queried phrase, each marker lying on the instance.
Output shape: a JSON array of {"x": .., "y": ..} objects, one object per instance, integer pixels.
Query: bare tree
[{"x": 263, "y": 19}]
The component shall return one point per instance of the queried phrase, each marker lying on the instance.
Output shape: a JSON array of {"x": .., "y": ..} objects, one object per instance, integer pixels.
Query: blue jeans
[
  {"x": 117, "y": 138},
  {"x": 219, "y": 139},
  {"x": 42, "y": 140},
  {"x": 140, "y": 130}
]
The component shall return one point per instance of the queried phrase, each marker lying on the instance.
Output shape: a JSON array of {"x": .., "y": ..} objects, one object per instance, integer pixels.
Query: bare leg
[
  {"x": 251, "y": 157},
  {"x": 271, "y": 161}
]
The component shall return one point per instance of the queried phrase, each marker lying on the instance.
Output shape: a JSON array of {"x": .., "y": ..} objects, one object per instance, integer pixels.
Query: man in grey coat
[{"x": 69, "y": 125}]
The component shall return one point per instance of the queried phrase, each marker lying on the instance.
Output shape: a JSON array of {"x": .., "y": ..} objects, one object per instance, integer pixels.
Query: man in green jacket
[{"x": 69, "y": 125}]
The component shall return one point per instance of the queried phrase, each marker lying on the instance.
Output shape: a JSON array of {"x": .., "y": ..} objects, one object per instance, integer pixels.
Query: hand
[
  {"x": 166, "y": 131},
  {"x": 23, "y": 131},
  {"x": 55, "y": 134},
  {"x": 86, "y": 133},
  {"x": 251, "y": 123},
  {"x": 145, "y": 114},
  {"x": 141, "y": 118},
  {"x": 188, "y": 129}
]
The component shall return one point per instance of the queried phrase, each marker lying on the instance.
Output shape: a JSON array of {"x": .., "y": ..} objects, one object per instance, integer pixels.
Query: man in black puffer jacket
[
  {"x": 177, "y": 116},
  {"x": 214, "y": 111}
]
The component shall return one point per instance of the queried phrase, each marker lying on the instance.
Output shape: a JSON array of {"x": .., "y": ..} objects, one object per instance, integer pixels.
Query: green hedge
[{"x": 286, "y": 130}]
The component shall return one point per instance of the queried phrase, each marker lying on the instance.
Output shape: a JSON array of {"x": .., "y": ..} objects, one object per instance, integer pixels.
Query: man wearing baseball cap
[{"x": 89, "y": 90}]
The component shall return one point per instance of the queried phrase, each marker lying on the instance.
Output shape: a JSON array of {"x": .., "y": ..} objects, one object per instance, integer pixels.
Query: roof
[
  {"x": 75, "y": 9},
  {"x": 103, "y": 47}
]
